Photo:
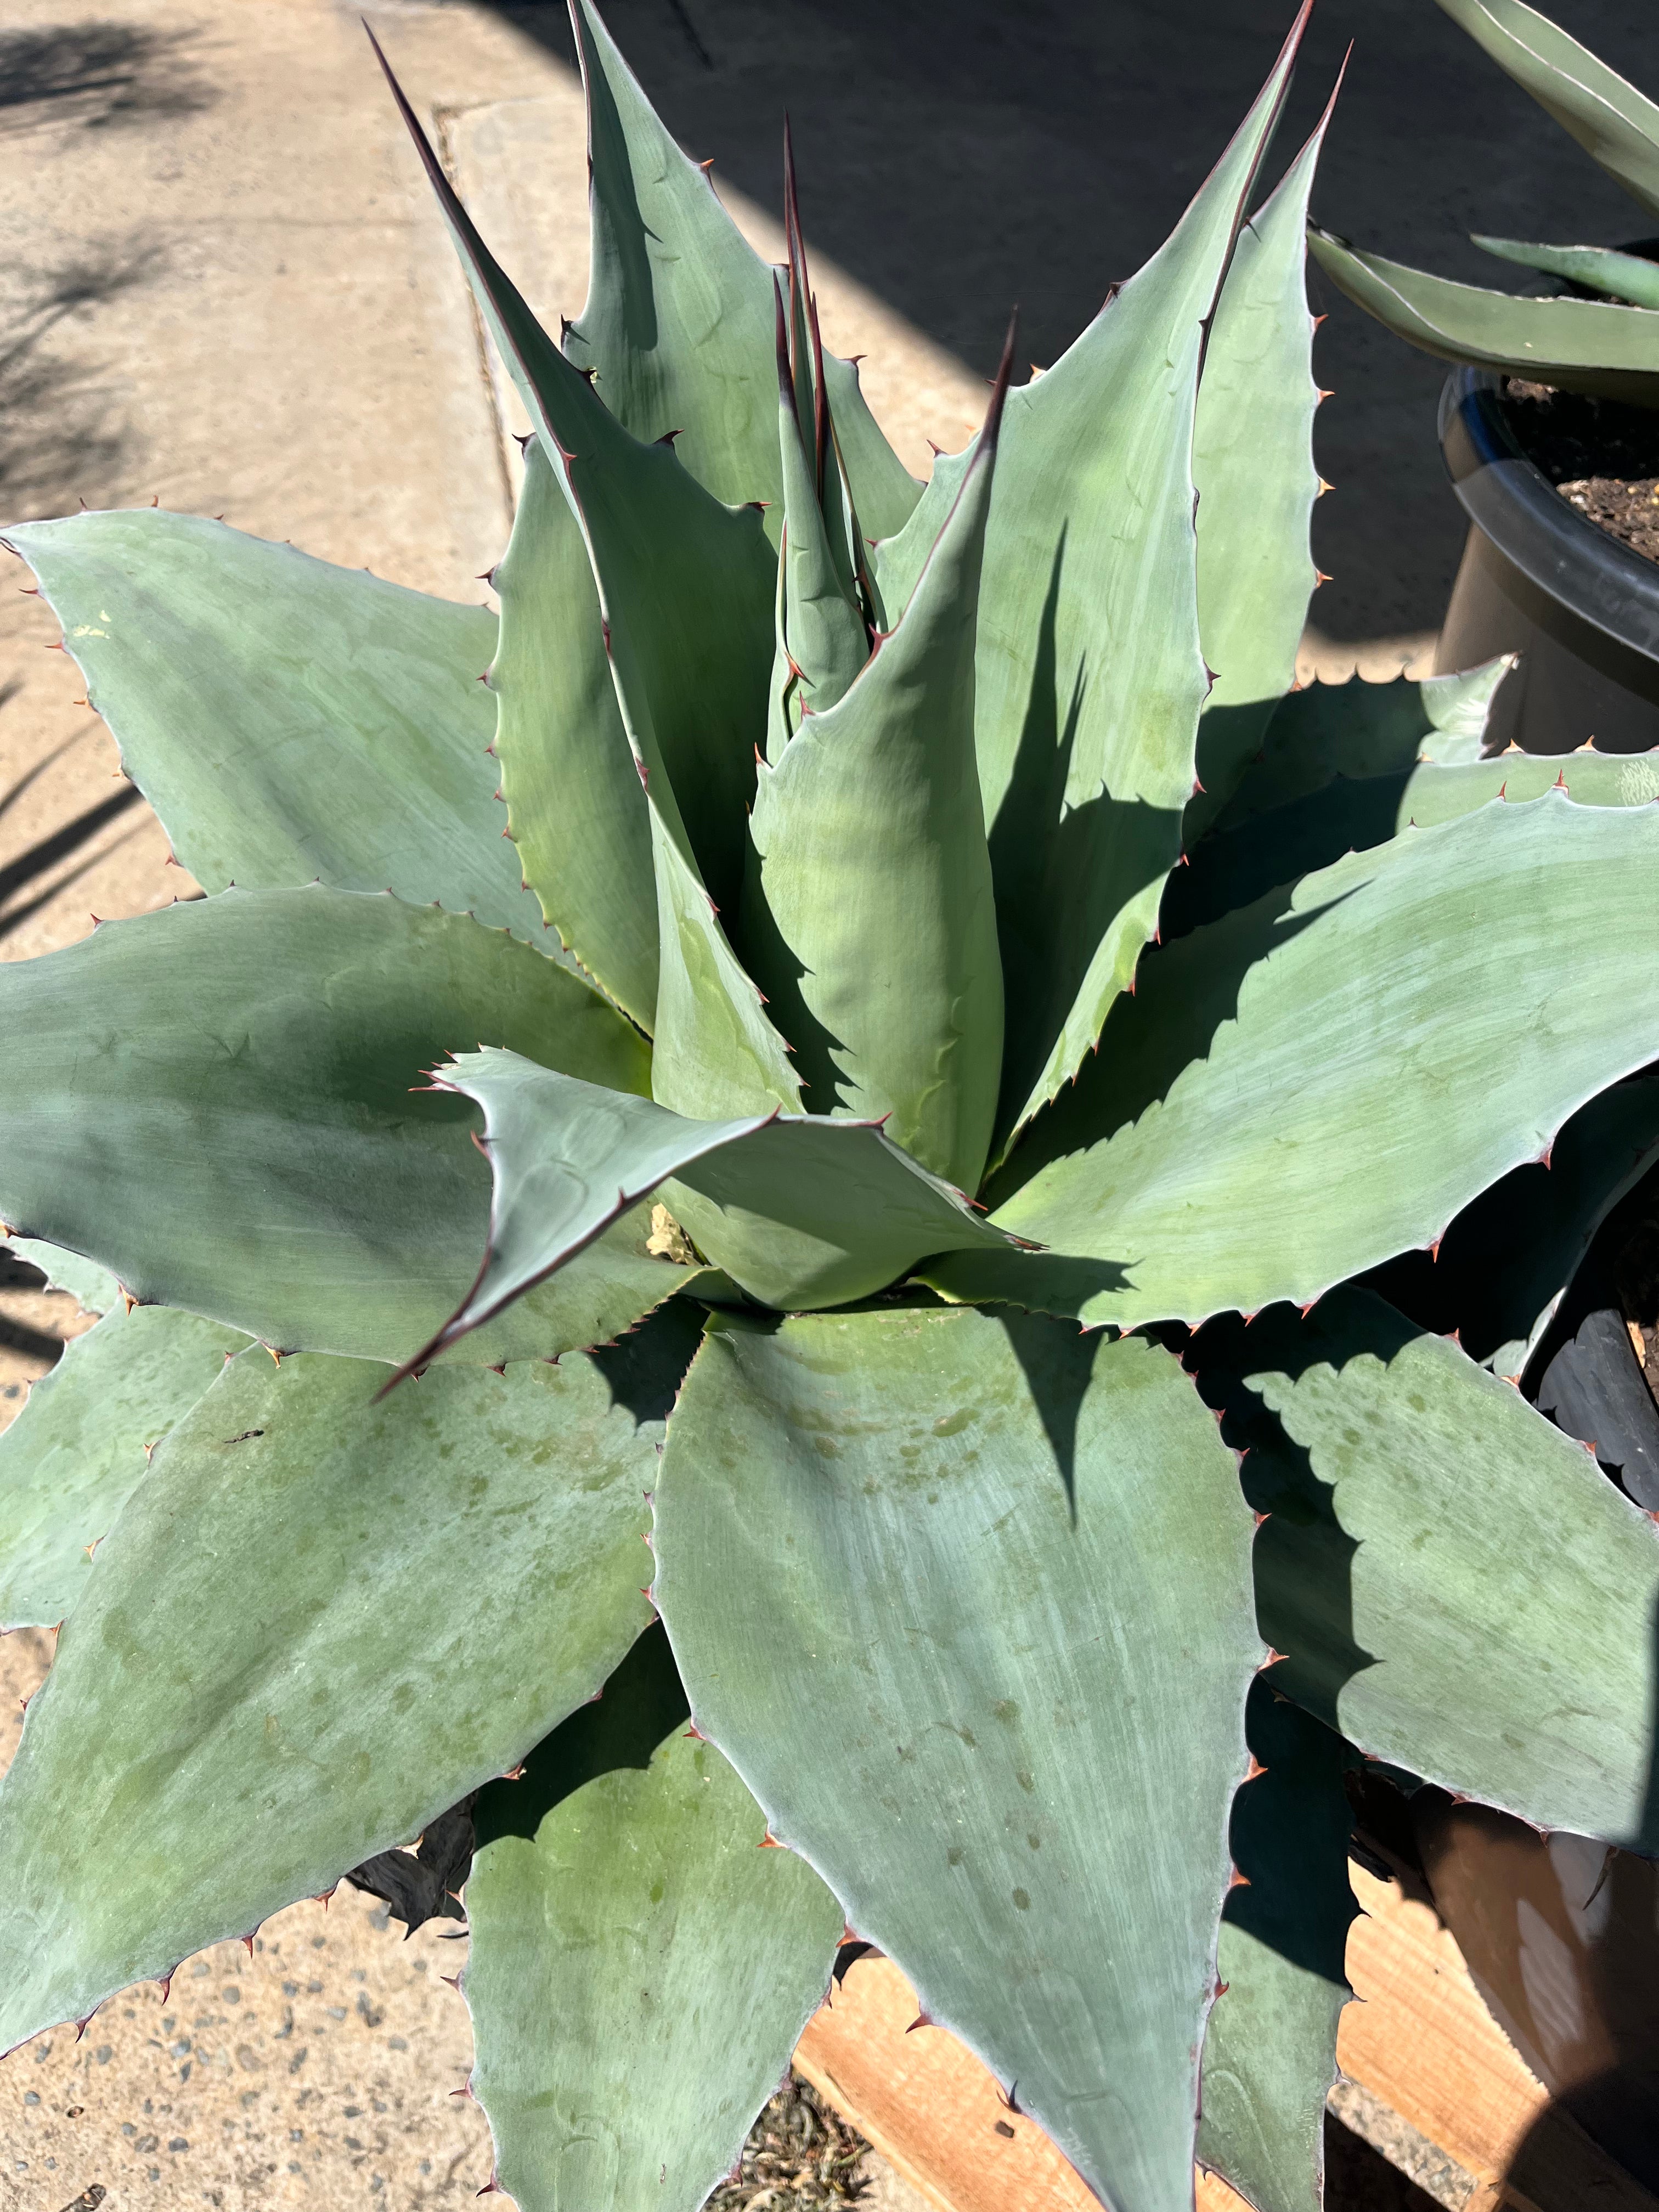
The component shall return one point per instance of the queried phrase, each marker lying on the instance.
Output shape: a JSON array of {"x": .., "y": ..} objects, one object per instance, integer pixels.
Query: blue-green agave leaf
[
  {"x": 715, "y": 1052},
  {"x": 1254, "y": 473},
  {"x": 214, "y": 1101},
  {"x": 1090, "y": 675},
  {"x": 678, "y": 327},
  {"x": 797, "y": 1211},
  {"x": 644, "y": 1697},
  {"x": 1617, "y": 126},
  {"x": 1239, "y": 861},
  {"x": 1590, "y": 346},
  {"x": 80, "y": 1446},
  {"x": 1627, "y": 276},
  {"x": 1498, "y": 1274},
  {"x": 1007, "y": 1601},
  {"x": 686, "y": 589},
  {"x": 685, "y": 583},
  {"x": 1388, "y": 1574},
  {"x": 1433, "y": 794},
  {"x": 94, "y": 1289},
  {"x": 1359, "y": 729},
  {"x": 575, "y": 809},
  {"x": 289, "y": 720},
  {"x": 639, "y": 1956},
  {"x": 823, "y": 643},
  {"x": 883, "y": 490},
  {"x": 893, "y": 996},
  {"x": 1270, "y": 2048},
  {"x": 566, "y": 1159},
  {"x": 1324, "y": 1079},
  {"x": 388, "y": 1602},
  {"x": 1459, "y": 708},
  {"x": 801, "y": 369}
]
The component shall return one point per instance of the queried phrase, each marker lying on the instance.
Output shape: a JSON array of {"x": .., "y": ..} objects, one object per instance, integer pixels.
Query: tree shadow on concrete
[
  {"x": 60, "y": 426},
  {"x": 51, "y": 852},
  {"x": 17, "y": 1335},
  {"x": 957, "y": 158},
  {"x": 97, "y": 75}
]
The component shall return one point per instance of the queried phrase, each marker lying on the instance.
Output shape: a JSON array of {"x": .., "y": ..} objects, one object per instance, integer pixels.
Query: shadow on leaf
[
  {"x": 1063, "y": 875},
  {"x": 622, "y": 1726},
  {"x": 1184, "y": 993}
]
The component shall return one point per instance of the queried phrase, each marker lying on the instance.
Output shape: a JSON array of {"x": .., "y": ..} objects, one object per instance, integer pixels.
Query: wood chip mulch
[{"x": 801, "y": 2156}]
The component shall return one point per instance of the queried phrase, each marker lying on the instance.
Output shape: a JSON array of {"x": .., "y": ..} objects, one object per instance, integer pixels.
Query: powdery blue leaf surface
[
  {"x": 575, "y": 805},
  {"x": 715, "y": 1049},
  {"x": 822, "y": 641},
  {"x": 1254, "y": 473},
  {"x": 389, "y": 1601},
  {"x": 289, "y": 720},
  {"x": 216, "y": 1102},
  {"x": 686, "y": 589},
  {"x": 640, "y": 1971},
  {"x": 1328, "y": 730},
  {"x": 94, "y": 1289},
  {"x": 1388, "y": 1572},
  {"x": 1007, "y": 1602},
  {"x": 1243, "y": 859},
  {"x": 685, "y": 583},
  {"x": 798, "y": 1211},
  {"x": 678, "y": 327},
  {"x": 1502, "y": 1264},
  {"x": 1324, "y": 1079},
  {"x": 1090, "y": 678},
  {"x": 80, "y": 1447},
  {"x": 892, "y": 992},
  {"x": 1270, "y": 2048}
]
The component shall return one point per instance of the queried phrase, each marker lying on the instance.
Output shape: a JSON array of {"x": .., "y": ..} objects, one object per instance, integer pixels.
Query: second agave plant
[
  {"x": 1604, "y": 341},
  {"x": 946, "y": 1025}
]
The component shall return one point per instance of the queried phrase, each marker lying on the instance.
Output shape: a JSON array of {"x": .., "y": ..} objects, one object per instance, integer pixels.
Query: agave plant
[
  {"x": 801, "y": 990},
  {"x": 1607, "y": 347}
]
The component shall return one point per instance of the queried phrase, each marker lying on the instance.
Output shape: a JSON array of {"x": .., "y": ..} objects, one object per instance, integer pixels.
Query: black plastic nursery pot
[{"x": 1541, "y": 580}]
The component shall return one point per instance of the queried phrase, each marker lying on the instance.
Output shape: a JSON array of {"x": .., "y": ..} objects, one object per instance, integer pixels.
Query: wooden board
[
  {"x": 935, "y": 2113},
  {"x": 1420, "y": 2038}
]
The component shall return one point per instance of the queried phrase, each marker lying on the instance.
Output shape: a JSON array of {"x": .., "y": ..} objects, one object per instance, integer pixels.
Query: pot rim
[{"x": 1511, "y": 501}]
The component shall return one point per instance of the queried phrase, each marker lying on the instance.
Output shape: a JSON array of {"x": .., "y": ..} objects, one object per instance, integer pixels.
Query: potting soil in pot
[{"x": 1602, "y": 457}]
